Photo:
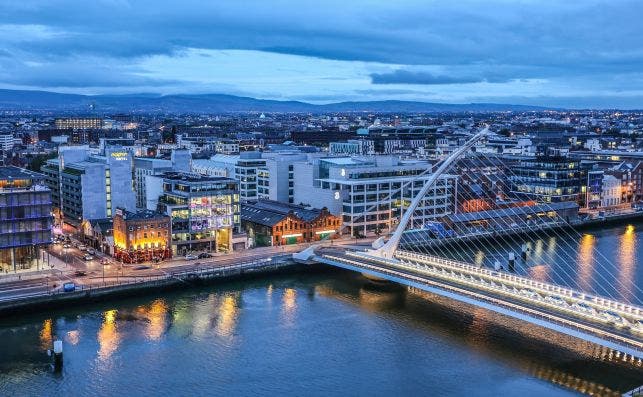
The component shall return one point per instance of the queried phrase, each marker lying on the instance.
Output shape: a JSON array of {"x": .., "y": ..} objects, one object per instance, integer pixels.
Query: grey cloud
[{"x": 401, "y": 76}]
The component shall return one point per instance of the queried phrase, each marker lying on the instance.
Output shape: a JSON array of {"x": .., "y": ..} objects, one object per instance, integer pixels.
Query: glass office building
[{"x": 25, "y": 219}]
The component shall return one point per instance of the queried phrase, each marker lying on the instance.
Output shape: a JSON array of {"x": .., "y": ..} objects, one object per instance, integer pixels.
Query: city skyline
[{"x": 563, "y": 55}]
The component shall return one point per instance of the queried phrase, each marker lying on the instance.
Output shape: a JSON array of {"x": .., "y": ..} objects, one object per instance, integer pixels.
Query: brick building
[
  {"x": 141, "y": 236},
  {"x": 270, "y": 222}
]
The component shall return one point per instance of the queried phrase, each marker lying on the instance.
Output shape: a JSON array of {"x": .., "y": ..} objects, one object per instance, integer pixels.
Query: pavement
[{"x": 68, "y": 265}]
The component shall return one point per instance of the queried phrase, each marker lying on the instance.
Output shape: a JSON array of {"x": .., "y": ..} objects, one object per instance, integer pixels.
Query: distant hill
[{"x": 220, "y": 103}]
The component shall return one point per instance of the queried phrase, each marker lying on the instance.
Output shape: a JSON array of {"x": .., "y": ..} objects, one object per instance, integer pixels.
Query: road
[{"x": 69, "y": 266}]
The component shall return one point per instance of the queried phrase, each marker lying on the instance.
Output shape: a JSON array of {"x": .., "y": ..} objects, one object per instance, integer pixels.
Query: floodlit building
[
  {"x": 141, "y": 236},
  {"x": 204, "y": 211},
  {"x": 270, "y": 222}
]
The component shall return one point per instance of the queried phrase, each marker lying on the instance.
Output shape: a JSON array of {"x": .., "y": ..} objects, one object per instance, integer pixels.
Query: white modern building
[
  {"x": 276, "y": 180},
  {"x": 243, "y": 167},
  {"x": 371, "y": 192},
  {"x": 180, "y": 161},
  {"x": 611, "y": 191},
  {"x": 89, "y": 186}
]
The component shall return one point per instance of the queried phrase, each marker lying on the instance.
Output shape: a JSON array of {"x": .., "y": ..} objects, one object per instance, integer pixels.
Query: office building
[
  {"x": 204, "y": 210},
  {"x": 275, "y": 180},
  {"x": 90, "y": 186},
  {"x": 370, "y": 192},
  {"x": 180, "y": 161},
  {"x": 547, "y": 177},
  {"x": 243, "y": 167},
  {"x": 78, "y": 123},
  {"x": 25, "y": 212}
]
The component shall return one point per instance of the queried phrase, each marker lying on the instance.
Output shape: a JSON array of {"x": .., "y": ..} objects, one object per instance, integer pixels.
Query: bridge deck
[{"x": 470, "y": 286}]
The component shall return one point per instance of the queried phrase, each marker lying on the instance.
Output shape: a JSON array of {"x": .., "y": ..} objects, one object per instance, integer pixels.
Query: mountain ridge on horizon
[{"x": 225, "y": 103}]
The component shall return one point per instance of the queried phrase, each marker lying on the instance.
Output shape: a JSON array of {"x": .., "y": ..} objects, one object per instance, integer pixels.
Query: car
[
  {"x": 142, "y": 267},
  {"x": 205, "y": 255},
  {"x": 88, "y": 257},
  {"x": 67, "y": 245},
  {"x": 191, "y": 257},
  {"x": 80, "y": 273},
  {"x": 82, "y": 247},
  {"x": 91, "y": 251},
  {"x": 69, "y": 287}
]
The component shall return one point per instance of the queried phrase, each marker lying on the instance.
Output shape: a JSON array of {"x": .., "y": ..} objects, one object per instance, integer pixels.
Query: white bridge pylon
[{"x": 387, "y": 250}]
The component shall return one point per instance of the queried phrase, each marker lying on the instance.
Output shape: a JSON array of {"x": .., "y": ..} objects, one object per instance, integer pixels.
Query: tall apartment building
[
  {"x": 25, "y": 211},
  {"x": 371, "y": 192},
  {"x": 89, "y": 186},
  {"x": 204, "y": 210}
]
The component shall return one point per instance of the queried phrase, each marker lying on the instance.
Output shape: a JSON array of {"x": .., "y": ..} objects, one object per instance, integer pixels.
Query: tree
[{"x": 39, "y": 160}]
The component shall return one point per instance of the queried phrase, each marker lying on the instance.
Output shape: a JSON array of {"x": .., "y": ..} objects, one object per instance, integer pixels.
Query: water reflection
[
  {"x": 539, "y": 272},
  {"x": 228, "y": 311},
  {"x": 46, "y": 335},
  {"x": 156, "y": 314},
  {"x": 289, "y": 305},
  {"x": 585, "y": 262},
  {"x": 627, "y": 262},
  {"x": 108, "y": 336},
  {"x": 73, "y": 337}
]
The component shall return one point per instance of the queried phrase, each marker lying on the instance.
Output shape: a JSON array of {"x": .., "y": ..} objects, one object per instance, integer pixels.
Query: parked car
[
  {"x": 203, "y": 255},
  {"x": 91, "y": 251},
  {"x": 191, "y": 257},
  {"x": 82, "y": 247},
  {"x": 88, "y": 257}
]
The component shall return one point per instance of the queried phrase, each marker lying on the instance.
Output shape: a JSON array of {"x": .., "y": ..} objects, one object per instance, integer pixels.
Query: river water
[{"x": 316, "y": 332}]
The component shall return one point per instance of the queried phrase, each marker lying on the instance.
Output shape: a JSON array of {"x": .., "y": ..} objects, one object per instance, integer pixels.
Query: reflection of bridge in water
[{"x": 602, "y": 321}]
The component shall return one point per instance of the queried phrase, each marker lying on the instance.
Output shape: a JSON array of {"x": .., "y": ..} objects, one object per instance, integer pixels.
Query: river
[{"x": 317, "y": 332}]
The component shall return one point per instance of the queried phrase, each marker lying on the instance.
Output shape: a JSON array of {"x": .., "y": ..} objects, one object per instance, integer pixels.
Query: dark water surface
[{"x": 310, "y": 333}]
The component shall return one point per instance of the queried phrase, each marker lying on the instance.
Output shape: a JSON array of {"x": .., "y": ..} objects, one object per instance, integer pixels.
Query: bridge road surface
[{"x": 610, "y": 333}]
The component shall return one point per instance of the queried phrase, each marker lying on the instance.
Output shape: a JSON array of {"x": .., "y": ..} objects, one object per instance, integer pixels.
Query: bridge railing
[
  {"x": 604, "y": 303},
  {"x": 569, "y": 323}
]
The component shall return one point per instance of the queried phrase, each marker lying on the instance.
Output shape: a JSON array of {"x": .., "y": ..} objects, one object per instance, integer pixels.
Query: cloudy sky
[{"x": 560, "y": 53}]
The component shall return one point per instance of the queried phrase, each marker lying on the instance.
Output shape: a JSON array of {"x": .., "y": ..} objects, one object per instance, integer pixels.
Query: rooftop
[
  {"x": 12, "y": 172},
  {"x": 269, "y": 212},
  {"x": 192, "y": 177},
  {"x": 141, "y": 215}
]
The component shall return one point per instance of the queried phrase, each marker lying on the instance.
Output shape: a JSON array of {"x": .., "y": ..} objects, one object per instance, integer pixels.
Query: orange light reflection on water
[
  {"x": 586, "y": 261},
  {"x": 627, "y": 262},
  {"x": 108, "y": 336}
]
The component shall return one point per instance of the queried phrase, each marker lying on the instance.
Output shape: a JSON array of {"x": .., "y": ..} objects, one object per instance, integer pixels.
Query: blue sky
[{"x": 559, "y": 53}]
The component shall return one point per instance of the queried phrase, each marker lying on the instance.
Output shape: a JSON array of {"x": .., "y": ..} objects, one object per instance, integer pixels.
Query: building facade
[
  {"x": 370, "y": 193},
  {"x": 78, "y": 123},
  {"x": 90, "y": 186},
  {"x": 25, "y": 211},
  {"x": 547, "y": 178},
  {"x": 141, "y": 236},
  {"x": 270, "y": 223},
  {"x": 204, "y": 211}
]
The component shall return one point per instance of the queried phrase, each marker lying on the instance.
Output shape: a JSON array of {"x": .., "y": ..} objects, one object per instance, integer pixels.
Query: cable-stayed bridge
[{"x": 416, "y": 258}]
